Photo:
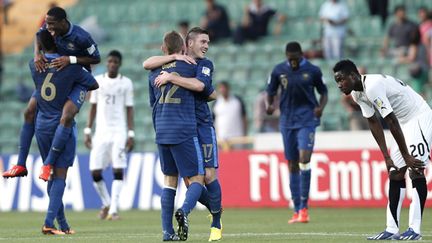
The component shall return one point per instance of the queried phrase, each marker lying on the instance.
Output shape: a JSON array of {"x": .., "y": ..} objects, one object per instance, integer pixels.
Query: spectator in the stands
[
  {"x": 262, "y": 121},
  {"x": 216, "y": 21},
  {"x": 5, "y": 7},
  {"x": 425, "y": 24},
  {"x": 183, "y": 28},
  {"x": 334, "y": 14},
  {"x": 229, "y": 114},
  {"x": 397, "y": 40},
  {"x": 255, "y": 22},
  {"x": 380, "y": 8}
]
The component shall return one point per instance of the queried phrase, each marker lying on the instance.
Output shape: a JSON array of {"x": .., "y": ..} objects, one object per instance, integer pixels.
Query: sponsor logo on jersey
[
  {"x": 305, "y": 76},
  {"x": 206, "y": 71}
]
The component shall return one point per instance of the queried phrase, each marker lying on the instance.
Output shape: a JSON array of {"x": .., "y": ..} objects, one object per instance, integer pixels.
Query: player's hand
[
  {"x": 40, "y": 62},
  {"x": 87, "y": 141},
  {"x": 318, "y": 112},
  {"x": 390, "y": 165},
  {"x": 60, "y": 62},
  {"x": 414, "y": 163},
  {"x": 270, "y": 109},
  {"x": 185, "y": 58},
  {"x": 162, "y": 79},
  {"x": 130, "y": 143}
]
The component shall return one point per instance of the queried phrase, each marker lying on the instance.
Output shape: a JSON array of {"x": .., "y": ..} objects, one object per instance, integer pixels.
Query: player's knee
[
  {"x": 97, "y": 175},
  {"x": 397, "y": 175},
  {"x": 210, "y": 175},
  {"x": 293, "y": 166},
  {"x": 416, "y": 174},
  {"x": 118, "y": 175}
]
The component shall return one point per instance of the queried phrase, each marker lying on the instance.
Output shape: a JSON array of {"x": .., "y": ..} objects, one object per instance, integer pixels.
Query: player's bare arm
[
  {"x": 269, "y": 105},
  {"x": 63, "y": 61},
  {"x": 187, "y": 83},
  {"x": 322, "y": 103},
  {"x": 90, "y": 121},
  {"x": 130, "y": 143},
  {"x": 39, "y": 58},
  {"x": 157, "y": 61},
  {"x": 212, "y": 96},
  {"x": 378, "y": 133},
  {"x": 398, "y": 135}
]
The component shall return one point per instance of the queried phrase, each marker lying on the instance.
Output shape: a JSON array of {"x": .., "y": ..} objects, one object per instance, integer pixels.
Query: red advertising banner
[{"x": 345, "y": 178}]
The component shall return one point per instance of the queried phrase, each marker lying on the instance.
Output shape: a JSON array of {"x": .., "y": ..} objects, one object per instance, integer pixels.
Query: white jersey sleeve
[
  {"x": 129, "y": 93},
  {"x": 376, "y": 93},
  {"x": 366, "y": 107},
  {"x": 94, "y": 93}
]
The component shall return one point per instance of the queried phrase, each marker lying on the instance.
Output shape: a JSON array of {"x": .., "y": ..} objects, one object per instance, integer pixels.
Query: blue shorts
[
  {"x": 67, "y": 156},
  {"x": 78, "y": 95},
  {"x": 297, "y": 139},
  {"x": 184, "y": 158},
  {"x": 207, "y": 140}
]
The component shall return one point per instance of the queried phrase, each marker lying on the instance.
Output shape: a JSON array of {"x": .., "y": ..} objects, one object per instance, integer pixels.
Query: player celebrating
[
  {"x": 76, "y": 46},
  {"x": 52, "y": 91},
  {"x": 300, "y": 115},
  {"x": 409, "y": 119},
  {"x": 176, "y": 136},
  {"x": 197, "y": 45},
  {"x": 111, "y": 141}
]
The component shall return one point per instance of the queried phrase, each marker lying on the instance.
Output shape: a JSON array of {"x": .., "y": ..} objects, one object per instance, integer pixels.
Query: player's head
[
  {"x": 172, "y": 43},
  {"x": 46, "y": 41},
  {"x": 114, "y": 62},
  {"x": 294, "y": 54},
  {"x": 197, "y": 42},
  {"x": 346, "y": 76},
  {"x": 56, "y": 21}
]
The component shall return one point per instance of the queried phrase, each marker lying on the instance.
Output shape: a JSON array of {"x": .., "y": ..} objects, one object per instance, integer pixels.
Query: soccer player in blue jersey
[
  {"x": 197, "y": 46},
  {"x": 75, "y": 46},
  {"x": 176, "y": 136},
  {"x": 52, "y": 91},
  {"x": 300, "y": 115}
]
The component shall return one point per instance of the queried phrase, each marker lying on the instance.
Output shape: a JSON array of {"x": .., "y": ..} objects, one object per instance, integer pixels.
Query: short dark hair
[
  {"x": 346, "y": 67},
  {"x": 194, "y": 32},
  {"x": 293, "y": 46},
  {"x": 224, "y": 83},
  {"x": 399, "y": 7},
  {"x": 183, "y": 23},
  {"x": 58, "y": 13},
  {"x": 46, "y": 40},
  {"x": 173, "y": 42},
  {"x": 115, "y": 53}
]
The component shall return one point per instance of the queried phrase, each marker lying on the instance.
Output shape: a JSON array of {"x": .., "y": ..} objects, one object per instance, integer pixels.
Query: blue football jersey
[
  {"x": 298, "y": 99},
  {"x": 174, "y": 106},
  {"x": 204, "y": 73},
  {"x": 76, "y": 42},
  {"x": 52, "y": 90}
]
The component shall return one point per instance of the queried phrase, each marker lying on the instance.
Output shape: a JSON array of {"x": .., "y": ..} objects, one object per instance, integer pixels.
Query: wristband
[
  {"x": 131, "y": 134},
  {"x": 72, "y": 59},
  {"x": 87, "y": 131}
]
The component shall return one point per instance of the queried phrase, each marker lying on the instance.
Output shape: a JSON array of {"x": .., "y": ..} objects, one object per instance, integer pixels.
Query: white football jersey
[
  {"x": 388, "y": 94},
  {"x": 112, "y": 98}
]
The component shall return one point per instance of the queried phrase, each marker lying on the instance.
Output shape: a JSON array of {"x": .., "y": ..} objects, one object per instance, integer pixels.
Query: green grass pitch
[{"x": 240, "y": 225}]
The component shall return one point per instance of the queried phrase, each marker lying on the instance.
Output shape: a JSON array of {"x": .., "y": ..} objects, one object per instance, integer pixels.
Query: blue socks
[
  {"x": 295, "y": 189},
  {"x": 193, "y": 193},
  {"x": 60, "y": 139},
  {"x": 167, "y": 205},
  {"x": 26, "y": 135},
  {"x": 204, "y": 199},
  {"x": 55, "y": 200},
  {"x": 305, "y": 176},
  {"x": 215, "y": 200}
]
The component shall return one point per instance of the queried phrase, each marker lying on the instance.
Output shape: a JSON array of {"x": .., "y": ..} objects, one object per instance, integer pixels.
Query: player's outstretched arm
[
  {"x": 157, "y": 61},
  {"x": 63, "y": 61},
  {"x": 187, "y": 83}
]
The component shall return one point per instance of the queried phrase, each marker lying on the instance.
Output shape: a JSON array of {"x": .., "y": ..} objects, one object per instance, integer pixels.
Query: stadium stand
[{"x": 135, "y": 27}]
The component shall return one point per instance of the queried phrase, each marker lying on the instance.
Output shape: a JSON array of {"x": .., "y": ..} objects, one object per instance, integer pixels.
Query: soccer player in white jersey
[
  {"x": 112, "y": 105},
  {"x": 409, "y": 119}
]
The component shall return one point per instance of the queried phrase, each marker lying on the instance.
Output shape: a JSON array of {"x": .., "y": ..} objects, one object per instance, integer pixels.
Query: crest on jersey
[
  {"x": 305, "y": 76},
  {"x": 379, "y": 103},
  {"x": 70, "y": 46},
  {"x": 206, "y": 71}
]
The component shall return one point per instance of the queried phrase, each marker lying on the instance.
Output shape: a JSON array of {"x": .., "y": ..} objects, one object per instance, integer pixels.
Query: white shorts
[
  {"x": 418, "y": 137},
  {"x": 108, "y": 148}
]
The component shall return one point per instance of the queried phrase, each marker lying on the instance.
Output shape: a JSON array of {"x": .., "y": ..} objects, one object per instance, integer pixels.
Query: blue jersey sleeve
[
  {"x": 318, "y": 82},
  {"x": 204, "y": 74},
  {"x": 85, "y": 78},
  {"x": 273, "y": 83},
  {"x": 86, "y": 42}
]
